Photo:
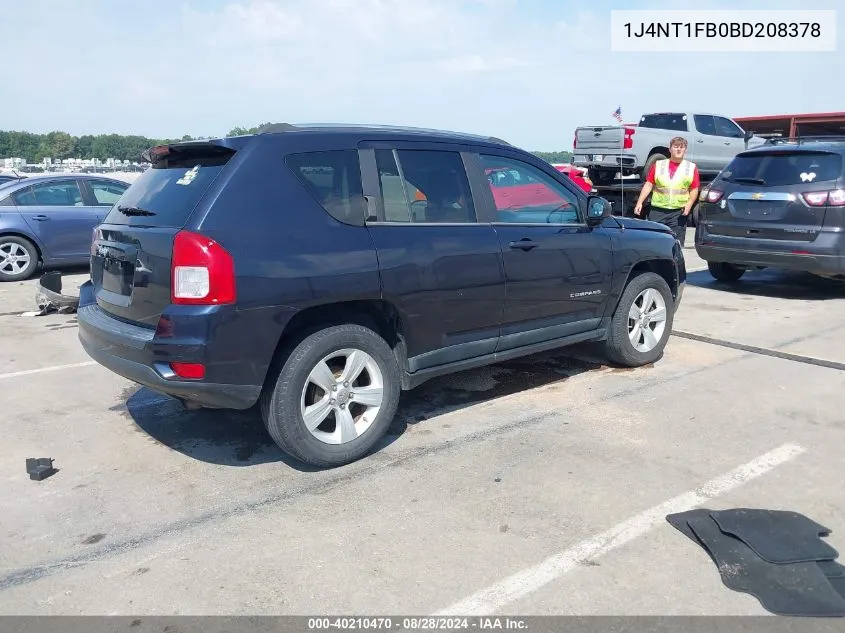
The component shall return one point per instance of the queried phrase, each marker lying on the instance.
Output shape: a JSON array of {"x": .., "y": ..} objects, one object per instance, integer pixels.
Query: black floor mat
[
  {"x": 777, "y": 536},
  {"x": 830, "y": 568},
  {"x": 795, "y": 589},
  {"x": 679, "y": 522}
]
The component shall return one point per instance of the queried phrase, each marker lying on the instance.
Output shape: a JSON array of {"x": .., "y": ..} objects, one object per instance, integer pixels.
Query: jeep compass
[{"x": 316, "y": 272}]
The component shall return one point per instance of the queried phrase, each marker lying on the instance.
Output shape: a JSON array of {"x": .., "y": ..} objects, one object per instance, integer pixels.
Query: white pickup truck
[{"x": 607, "y": 150}]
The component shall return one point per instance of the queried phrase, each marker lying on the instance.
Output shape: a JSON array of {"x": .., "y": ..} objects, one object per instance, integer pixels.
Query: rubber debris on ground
[{"x": 49, "y": 297}]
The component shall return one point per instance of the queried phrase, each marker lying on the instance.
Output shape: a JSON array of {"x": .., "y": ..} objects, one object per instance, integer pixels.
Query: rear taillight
[
  {"x": 835, "y": 198},
  {"x": 712, "y": 195},
  {"x": 628, "y": 141},
  {"x": 203, "y": 272}
]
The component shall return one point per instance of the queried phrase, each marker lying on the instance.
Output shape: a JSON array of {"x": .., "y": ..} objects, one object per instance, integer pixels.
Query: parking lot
[{"x": 539, "y": 486}]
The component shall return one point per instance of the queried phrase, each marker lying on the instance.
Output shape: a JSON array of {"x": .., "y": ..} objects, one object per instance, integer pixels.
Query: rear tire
[
  {"x": 601, "y": 177},
  {"x": 722, "y": 271},
  {"x": 653, "y": 158},
  {"x": 641, "y": 325},
  {"x": 18, "y": 258},
  {"x": 346, "y": 418}
]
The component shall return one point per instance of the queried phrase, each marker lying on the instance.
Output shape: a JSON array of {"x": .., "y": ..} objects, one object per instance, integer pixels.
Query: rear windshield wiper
[
  {"x": 134, "y": 211},
  {"x": 755, "y": 181}
]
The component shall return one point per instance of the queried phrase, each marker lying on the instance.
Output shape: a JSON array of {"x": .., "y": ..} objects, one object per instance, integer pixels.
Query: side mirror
[
  {"x": 597, "y": 210},
  {"x": 748, "y": 136}
]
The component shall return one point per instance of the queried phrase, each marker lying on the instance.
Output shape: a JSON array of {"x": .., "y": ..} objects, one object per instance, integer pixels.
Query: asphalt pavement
[{"x": 538, "y": 486}]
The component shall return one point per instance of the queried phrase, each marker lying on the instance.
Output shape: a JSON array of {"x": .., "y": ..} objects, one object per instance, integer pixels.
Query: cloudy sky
[{"x": 528, "y": 71}]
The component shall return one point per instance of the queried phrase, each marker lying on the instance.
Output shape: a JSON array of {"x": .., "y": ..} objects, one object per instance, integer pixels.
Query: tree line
[{"x": 59, "y": 145}]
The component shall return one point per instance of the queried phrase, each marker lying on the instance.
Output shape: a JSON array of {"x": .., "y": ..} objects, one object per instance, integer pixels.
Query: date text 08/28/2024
[{"x": 417, "y": 623}]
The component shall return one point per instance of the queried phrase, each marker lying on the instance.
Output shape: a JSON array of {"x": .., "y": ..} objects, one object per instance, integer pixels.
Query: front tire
[
  {"x": 18, "y": 258},
  {"x": 642, "y": 323},
  {"x": 334, "y": 397},
  {"x": 725, "y": 272}
]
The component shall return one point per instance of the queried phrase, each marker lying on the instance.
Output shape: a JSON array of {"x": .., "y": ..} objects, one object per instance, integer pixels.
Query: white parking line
[
  {"x": 493, "y": 598},
  {"x": 16, "y": 374}
]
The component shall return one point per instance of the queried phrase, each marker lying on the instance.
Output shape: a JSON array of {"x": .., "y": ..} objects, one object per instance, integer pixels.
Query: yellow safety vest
[{"x": 672, "y": 193}]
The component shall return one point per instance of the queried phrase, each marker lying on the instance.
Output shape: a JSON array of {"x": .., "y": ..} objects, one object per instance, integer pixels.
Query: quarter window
[
  {"x": 424, "y": 187},
  {"x": 334, "y": 179},
  {"x": 524, "y": 194},
  {"x": 107, "y": 193}
]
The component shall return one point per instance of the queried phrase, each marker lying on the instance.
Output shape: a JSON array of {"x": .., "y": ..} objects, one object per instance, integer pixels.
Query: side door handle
[
  {"x": 524, "y": 244},
  {"x": 41, "y": 218}
]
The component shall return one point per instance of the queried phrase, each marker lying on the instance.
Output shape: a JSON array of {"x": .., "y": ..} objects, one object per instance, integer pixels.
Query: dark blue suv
[{"x": 318, "y": 271}]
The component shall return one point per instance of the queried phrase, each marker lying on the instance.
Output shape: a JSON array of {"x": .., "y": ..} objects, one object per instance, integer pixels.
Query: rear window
[
  {"x": 783, "y": 168},
  {"x": 166, "y": 193},
  {"x": 665, "y": 121}
]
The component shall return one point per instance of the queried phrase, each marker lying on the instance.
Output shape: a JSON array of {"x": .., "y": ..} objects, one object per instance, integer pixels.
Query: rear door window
[
  {"x": 333, "y": 178},
  {"x": 784, "y": 168},
  {"x": 166, "y": 193},
  {"x": 424, "y": 187}
]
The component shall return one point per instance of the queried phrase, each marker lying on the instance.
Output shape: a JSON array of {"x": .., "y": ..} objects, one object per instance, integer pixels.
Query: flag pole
[{"x": 621, "y": 178}]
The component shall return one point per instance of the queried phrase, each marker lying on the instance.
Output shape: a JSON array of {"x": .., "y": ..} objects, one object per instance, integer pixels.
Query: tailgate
[
  {"x": 599, "y": 138},
  {"x": 778, "y": 195},
  {"x": 132, "y": 250}
]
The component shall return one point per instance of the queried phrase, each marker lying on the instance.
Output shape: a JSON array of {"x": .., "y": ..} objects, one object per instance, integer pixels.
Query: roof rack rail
[
  {"x": 830, "y": 138},
  {"x": 276, "y": 128}
]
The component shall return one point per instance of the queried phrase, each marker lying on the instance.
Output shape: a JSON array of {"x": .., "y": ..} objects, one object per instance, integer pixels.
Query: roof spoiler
[
  {"x": 276, "y": 128},
  {"x": 186, "y": 149}
]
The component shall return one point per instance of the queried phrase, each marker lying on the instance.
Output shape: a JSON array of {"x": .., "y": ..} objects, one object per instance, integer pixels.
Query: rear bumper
[
  {"x": 817, "y": 264},
  {"x": 609, "y": 160},
  {"x": 127, "y": 350}
]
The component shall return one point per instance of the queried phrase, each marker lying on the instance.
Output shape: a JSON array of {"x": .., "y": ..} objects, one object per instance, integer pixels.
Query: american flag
[{"x": 618, "y": 114}]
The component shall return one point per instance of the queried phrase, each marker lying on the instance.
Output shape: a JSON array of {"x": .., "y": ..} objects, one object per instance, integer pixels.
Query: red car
[{"x": 578, "y": 176}]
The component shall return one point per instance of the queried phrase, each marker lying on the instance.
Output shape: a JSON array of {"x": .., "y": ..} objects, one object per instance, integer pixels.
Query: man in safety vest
[{"x": 673, "y": 184}]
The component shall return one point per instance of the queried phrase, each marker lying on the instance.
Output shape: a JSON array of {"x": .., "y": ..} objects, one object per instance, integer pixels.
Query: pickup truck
[{"x": 607, "y": 150}]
